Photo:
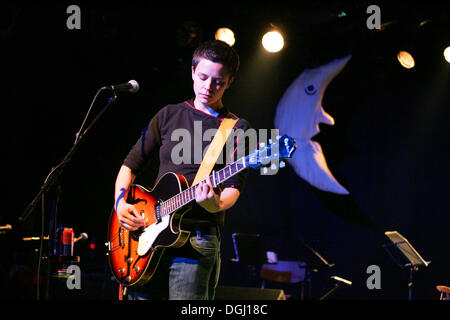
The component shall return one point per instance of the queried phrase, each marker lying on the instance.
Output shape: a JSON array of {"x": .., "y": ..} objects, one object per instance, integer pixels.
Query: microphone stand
[
  {"x": 315, "y": 268},
  {"x": 336, "y": 285},
  {"x": 52, "y": 178}
]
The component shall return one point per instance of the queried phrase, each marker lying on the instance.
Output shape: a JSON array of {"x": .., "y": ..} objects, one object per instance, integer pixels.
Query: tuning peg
[
  {"x": 261, "y": 144},
  {"x": 282, "y": 164}
]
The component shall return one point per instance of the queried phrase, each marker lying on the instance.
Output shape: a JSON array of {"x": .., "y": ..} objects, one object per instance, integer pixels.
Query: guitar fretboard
[{"x": 186, "y": 196}]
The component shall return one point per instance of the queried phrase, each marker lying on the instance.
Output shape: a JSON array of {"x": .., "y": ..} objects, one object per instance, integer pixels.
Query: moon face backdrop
[
  {"x": 372, "y": 136},
  {"x": 298, "y": 115}
]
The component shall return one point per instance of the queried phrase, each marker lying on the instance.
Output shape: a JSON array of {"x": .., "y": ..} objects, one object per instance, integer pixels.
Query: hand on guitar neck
[{"x": 213, "y": 199}]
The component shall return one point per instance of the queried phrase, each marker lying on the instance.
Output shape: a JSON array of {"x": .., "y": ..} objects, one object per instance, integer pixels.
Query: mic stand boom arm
[{"x": 57, "y": 171}]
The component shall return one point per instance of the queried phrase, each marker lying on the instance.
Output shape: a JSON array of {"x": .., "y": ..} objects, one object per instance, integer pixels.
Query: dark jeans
[{"x": 187, "y": 273}]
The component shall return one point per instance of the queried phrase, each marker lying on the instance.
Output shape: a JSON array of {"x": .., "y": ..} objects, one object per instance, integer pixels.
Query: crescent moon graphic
[{"x": 298, "y": 115}]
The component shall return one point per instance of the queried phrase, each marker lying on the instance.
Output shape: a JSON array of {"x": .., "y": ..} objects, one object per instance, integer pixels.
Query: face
[{"x": 210, "y": 82}]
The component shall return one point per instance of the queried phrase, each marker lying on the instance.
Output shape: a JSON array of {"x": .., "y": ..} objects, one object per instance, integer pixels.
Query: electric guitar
[{"x": 134, "y": 255}]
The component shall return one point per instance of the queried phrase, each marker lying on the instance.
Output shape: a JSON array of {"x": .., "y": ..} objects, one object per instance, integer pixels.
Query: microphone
[
  {"x": 130, "y": 86},
  {"x": 82, "y": 236}
]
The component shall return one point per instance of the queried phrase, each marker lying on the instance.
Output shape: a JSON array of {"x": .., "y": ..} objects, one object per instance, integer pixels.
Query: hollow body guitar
[{"x": 134, "y": 255}]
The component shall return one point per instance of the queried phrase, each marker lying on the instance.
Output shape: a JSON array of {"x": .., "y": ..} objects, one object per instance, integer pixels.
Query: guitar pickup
[
  {"x": 158, "y": 213},
  {"x": 121, "y": 231}
]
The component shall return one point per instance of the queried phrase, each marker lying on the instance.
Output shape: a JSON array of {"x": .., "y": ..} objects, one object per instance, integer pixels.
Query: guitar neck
[{"x": 188, "y": 195}]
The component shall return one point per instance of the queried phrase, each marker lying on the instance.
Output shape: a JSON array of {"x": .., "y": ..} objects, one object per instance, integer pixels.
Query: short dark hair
[{"x": 220, "y": 52}]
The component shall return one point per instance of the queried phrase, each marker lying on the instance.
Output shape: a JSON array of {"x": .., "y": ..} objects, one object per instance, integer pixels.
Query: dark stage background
[{"x": 389, "y": 146}]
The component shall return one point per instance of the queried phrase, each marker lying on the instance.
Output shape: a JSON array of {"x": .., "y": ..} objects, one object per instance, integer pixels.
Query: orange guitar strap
[{"x": 215, "y": 148}]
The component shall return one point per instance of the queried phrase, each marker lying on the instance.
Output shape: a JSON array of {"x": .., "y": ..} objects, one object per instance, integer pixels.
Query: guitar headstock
[{"x": 272, "y": 154}]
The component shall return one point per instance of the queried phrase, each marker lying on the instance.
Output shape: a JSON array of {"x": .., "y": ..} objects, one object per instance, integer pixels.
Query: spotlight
[
  {"x": 447, "y": 54},
  {"x": 405, "y": 59},
  {"x": 273, "y": 41},
  {"x": 226, "y": 35}
]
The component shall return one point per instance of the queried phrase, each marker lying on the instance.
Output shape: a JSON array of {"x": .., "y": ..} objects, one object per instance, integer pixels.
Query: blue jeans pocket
[{"x": 205, "y": 244}]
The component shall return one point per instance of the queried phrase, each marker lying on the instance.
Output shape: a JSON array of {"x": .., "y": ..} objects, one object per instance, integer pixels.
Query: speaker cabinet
[{"x": 245, "y": 293}]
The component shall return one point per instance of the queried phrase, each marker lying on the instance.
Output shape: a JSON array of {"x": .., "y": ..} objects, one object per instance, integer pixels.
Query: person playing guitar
[{"x": 189, "y": 271}]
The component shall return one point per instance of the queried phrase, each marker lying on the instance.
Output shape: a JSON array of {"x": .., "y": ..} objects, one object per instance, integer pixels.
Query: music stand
[{"x": 404, "y": 255}]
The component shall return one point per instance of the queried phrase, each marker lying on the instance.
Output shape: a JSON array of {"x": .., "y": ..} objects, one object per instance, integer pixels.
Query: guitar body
[{"x": 134, "y": 255}]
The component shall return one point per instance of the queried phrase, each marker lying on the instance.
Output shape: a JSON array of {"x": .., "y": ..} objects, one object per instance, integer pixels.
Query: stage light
[
  {"x": 405, "y": 59},
  {"x": 447, "y": 54},
  {"x": 226, "y": 35},
  {"x": 273, "y": 41}
]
